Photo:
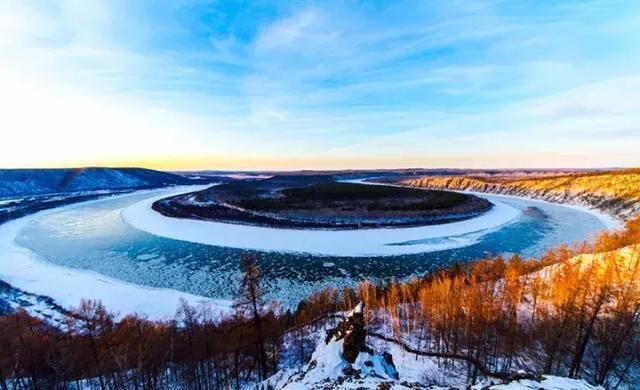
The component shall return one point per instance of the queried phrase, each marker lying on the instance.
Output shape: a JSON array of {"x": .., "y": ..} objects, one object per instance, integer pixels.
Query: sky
[{"x": 194, "y": 84}]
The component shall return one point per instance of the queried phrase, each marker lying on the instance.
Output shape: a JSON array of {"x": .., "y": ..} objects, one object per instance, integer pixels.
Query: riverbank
[
  {"x": 353, "y": 243},
  {"x": 67, "y": 286}
]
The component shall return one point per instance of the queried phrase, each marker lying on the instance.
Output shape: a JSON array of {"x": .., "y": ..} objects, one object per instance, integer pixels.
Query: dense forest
[
  {"x": 574, "y": 312},
  {"x": 321, "y": 203}
]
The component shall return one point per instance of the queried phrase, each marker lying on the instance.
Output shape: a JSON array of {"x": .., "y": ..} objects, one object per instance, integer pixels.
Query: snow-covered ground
[
  {"x": 245, "y": 176},
  {"x": 67, "y": 286},
  {"x": 386, "y": 365},
  {"x": 547, "y": 382},
  {"x": 362, "y": 242}
]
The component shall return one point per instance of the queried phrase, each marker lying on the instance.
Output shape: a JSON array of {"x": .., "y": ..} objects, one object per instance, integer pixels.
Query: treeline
[
  {"x": 197, "y": 349},
  {"x": 574, "y": 312}
]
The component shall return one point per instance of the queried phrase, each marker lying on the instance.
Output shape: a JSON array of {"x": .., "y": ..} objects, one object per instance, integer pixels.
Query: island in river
[{"x": 320, "y": 202}]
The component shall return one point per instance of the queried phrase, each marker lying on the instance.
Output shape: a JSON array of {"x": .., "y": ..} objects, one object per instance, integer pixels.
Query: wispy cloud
[
  {"x": 343, "y": 83},
  {"x": 294, "y": 32}
]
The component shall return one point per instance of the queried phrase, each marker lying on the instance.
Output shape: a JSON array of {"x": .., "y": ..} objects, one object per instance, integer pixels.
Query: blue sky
[{"x": 348, "y": 84}]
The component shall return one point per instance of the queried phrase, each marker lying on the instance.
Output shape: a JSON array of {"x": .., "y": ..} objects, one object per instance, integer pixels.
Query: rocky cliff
[{"x": 616, "y": 193}]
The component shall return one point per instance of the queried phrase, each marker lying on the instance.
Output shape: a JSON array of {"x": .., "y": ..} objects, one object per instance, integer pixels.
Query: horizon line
[{"x": 595, "y": 168}]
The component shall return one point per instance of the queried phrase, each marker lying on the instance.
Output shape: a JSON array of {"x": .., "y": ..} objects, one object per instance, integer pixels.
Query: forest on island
[{"x": 312, "y": 202}]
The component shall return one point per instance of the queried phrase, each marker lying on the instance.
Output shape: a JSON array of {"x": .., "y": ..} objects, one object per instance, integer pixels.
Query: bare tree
[{"x": 251, "y": 300}]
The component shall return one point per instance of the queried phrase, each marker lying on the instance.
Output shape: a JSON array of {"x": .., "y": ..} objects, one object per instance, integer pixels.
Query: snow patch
[{"x": 547, "y": 382}]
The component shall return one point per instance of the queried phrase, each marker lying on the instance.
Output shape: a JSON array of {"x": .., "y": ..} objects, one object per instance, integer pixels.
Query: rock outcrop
[{"x": 342, "y": 360}]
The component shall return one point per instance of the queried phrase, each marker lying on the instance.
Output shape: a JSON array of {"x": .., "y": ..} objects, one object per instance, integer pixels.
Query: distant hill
[
  {"x": 20, "y": 182},
  {"x": 616, "y": 192}
]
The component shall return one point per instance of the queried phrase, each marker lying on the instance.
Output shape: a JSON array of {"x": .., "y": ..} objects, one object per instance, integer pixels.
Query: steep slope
[
  {"x": 346, "y": 360},
  {"x": 614, "y": 192},
  {"x": 22, "y": 182},
  {"x": 342, "y": 360}
]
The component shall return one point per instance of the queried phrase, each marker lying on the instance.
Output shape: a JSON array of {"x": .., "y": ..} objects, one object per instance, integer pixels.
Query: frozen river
[{"x": 94, "y": 236}]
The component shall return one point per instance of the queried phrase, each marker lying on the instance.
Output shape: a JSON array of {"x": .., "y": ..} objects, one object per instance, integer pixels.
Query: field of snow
[
  {"x": 363, "y": 242},
  {"x": 67, "y": 286}
]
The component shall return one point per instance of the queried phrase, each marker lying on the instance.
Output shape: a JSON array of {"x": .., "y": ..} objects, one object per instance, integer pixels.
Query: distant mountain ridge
[{"x": 21, "y": 182}]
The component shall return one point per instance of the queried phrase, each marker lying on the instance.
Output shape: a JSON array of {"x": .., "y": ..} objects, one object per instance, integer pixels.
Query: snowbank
[
  {"x": 364, "y": 242},
  {"x": 67, "y": 286}
]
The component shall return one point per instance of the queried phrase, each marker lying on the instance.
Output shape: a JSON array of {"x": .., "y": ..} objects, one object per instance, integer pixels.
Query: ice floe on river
[{"x": 23, "y": 269}]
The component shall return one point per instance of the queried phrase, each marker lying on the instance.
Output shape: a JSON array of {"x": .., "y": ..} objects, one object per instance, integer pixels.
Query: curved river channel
[{"x": 95, "y": 236}]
